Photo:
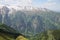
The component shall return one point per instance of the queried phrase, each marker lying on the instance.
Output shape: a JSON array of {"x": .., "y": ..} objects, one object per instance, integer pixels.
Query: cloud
[
  {"x": 48, "y": 4},
  {"x": 49, "y": 0},
  {"x": 16, "y": 2},
  {"x": 51, "y": 5}
]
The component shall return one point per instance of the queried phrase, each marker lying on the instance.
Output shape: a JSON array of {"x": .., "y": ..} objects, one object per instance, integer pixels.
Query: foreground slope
[
  {"x": 47, "y": 35},
  {"x": 8, "y": 33}
]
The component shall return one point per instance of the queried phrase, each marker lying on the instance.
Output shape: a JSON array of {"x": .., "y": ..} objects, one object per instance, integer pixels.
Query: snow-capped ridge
[{"x": 26, "y": 8}]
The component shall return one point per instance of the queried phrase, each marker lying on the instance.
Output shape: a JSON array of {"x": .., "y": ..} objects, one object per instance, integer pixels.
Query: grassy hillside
[
  {"x": 6, "y": 37},
  {"x": 8, "y": 33},
  {"x": 47, "y": 35}
]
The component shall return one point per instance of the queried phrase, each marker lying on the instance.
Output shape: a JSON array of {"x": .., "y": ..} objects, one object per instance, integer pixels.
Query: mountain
[{"x": 31, "y": 21}]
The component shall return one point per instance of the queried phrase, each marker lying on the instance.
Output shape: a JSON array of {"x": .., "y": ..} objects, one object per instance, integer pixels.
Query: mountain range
[{"x": 30, "y": 20}]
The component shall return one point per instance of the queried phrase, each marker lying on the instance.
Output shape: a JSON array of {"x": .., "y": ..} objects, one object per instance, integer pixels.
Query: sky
[{"x": 49, "y": 4}]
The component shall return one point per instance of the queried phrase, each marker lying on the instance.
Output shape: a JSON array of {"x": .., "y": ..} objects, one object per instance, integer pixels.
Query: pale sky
[{"x": 49, "y": 4}]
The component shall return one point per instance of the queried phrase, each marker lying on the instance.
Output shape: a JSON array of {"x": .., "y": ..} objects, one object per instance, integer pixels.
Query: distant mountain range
[{"x": 30, "y": 20}]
